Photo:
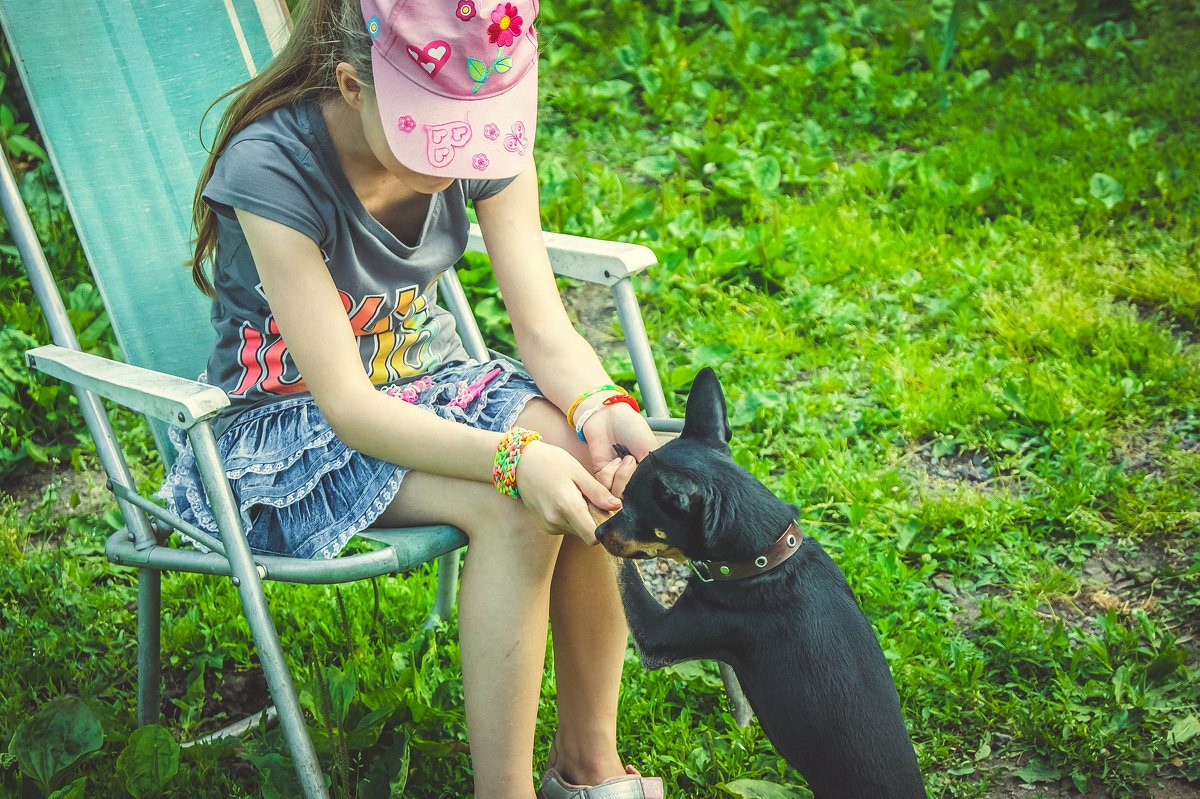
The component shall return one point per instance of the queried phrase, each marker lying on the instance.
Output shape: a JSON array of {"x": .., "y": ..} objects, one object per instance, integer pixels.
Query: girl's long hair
[{"x": 326, "y": 32}]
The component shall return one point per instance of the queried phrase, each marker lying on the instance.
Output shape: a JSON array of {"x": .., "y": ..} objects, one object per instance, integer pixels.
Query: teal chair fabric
[{"x": 119, "y": 90}]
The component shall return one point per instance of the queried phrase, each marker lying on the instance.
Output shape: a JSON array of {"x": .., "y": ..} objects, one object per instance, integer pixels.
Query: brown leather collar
[{"x": 783, "y": 548}]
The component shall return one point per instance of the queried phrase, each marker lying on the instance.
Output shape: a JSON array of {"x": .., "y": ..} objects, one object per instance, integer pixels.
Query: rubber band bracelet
[
  {"x": 579, "y": 400},
  {"x": 616, "y": 399},
  {"x": 504, "y": 468}
]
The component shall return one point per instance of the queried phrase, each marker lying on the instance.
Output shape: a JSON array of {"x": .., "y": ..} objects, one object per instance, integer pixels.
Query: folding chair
[{"x": 120, "y": 115}]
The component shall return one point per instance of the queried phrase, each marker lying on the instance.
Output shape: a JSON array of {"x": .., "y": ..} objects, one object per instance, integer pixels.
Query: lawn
[{"x": 943, "y": 257}]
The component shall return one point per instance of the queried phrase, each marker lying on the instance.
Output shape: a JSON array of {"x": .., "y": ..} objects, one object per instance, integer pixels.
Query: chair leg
[
  {"x": 248, "y": 579},
  {"x": 447, "y": 588},
  {"x": 149, "y": 645},
  {"x": 737, "y": 699},
  {"x": 283, "y": 690}
]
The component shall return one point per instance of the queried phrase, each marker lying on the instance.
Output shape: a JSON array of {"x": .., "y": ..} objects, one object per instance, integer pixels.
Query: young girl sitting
[{"x": 335, "y": 196}]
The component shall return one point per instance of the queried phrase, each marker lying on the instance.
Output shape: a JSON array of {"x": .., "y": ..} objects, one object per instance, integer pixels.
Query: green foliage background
[{"x": 943, "y": 256}]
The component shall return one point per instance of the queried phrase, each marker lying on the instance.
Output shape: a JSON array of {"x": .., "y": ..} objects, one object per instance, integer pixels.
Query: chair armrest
[
  {"x": 168, "y": 398},
  {"x": 592, "y": 260}
]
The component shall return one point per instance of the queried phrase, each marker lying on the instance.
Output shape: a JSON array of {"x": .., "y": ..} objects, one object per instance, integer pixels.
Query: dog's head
[{"x": 688, "y": 500}]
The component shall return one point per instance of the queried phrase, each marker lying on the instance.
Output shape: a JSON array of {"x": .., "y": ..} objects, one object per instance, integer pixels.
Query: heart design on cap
[
  {"x": 444, "y": 140},
  {"x": 432, "y": 58}
]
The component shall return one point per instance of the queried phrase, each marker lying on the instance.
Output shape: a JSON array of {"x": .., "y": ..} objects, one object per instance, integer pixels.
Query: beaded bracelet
[
  {"x": 504, "y": 468},
  {"x": 615, "y": 399},
  {"x": 579, "y": 400}
]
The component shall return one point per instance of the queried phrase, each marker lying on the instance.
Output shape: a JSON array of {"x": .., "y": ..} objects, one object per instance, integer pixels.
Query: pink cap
[{"x": 456, "y": 83}]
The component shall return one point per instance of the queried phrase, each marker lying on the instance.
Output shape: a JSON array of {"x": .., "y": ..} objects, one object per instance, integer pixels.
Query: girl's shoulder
[
  {"x": 276, "y": 168},
  {"x": 296, "y": 130}
]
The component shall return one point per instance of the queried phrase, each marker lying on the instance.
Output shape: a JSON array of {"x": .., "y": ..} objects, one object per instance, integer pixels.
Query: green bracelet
[{"x": 579, "y": 400}]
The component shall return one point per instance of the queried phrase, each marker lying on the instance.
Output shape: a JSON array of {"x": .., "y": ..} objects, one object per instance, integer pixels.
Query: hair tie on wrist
[
  {"x": 504, "y": 468},
  {"x": 583, "y": 419}
]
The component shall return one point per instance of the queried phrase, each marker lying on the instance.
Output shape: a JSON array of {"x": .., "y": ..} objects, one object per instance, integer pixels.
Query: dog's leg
[{"x": 665, "y": 636}]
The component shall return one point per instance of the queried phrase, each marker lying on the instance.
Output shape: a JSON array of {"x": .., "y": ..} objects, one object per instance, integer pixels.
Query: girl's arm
[
  {"x": 560, "y": 360},
  {"x": 313, "y": 322}
]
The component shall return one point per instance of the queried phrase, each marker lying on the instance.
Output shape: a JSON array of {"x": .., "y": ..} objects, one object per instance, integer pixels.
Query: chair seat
[{"x": 402, "y": 550}]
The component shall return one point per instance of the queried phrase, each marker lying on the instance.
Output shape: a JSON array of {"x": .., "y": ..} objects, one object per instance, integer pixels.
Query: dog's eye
[{"x": 660, "y": 535}]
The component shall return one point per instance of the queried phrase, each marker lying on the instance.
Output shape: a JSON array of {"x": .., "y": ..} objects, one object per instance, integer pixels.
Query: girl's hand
[
  {"x": 556, "y": 488},
  {"x": 617, "y": 424},
  {"x": 615, "y": 476}
]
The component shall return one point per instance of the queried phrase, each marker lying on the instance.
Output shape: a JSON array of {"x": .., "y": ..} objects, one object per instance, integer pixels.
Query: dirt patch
[
  {"x": 1149, "y": 451},
  {"x": 1015, "y": 788},
  {"x": 227, "y": 697},
  {"x": 58, "y": 490},
  {"x": 941, "y": 468},
  {"x": 1150, "y": 577},
  {"x": 594, "y": 314}
]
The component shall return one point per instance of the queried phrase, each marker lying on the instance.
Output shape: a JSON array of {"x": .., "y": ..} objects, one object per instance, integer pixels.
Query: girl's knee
[{"x": 504, "y": 521}]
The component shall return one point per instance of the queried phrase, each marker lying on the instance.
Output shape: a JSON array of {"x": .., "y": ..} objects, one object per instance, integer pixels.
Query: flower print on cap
[
  {"x": 506, "y": 25},
  {"x": 480, "y": 162},
  {"x": 407, "y": 124},
  {"x": 466, "y": 10},
  {"x": 504, "y": 30}
]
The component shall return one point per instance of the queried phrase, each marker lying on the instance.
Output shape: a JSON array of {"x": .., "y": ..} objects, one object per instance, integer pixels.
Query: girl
[{"x": 334, "y": 197}]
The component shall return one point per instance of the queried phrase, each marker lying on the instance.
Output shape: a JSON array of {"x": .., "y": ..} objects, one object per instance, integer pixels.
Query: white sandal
[{"x": 630, "y": 786}]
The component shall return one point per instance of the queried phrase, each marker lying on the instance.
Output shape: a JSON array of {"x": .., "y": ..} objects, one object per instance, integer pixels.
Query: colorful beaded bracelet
[
  {"x": 504, "y": 468},
  {"x": 579, "y": 400}
]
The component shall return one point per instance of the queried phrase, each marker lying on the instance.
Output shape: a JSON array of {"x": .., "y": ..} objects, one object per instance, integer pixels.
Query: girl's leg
[
  {"x": 502, "y": 617},
  {"x": 513, "y": 580},
  {"x": 589, "y": 635}
]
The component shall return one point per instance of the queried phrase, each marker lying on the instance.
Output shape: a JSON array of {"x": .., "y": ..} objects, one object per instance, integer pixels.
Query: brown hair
[{"x": 326, "y": 32}]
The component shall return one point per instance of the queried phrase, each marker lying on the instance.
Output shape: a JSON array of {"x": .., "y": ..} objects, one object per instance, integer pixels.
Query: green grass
[{"x": 955, "y": 315}]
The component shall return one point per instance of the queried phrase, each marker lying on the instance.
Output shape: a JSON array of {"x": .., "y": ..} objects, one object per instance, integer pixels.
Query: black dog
[{"x": 767, "y": 601}]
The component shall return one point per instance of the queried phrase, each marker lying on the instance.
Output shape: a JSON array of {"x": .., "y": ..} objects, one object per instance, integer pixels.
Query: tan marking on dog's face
[{"x": 628, "y": 548}]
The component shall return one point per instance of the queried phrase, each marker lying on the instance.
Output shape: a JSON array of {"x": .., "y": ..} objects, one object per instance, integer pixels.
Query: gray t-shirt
[{"x": 283, "y": 167}]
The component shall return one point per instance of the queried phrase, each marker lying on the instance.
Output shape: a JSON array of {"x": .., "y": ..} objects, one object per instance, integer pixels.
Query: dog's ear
[
  {"x": 705, "y": 417},
  {"x": 678, "y": 493}
]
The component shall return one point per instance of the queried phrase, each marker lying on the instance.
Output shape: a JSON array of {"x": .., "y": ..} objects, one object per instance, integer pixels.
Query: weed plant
[{"x": 944, "y": 258}]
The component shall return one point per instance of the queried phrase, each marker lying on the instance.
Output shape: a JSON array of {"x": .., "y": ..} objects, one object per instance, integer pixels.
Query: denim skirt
[{"x": 300, "y": 490}]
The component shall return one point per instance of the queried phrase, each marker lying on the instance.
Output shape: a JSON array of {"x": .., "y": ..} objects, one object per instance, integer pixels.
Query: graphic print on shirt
[
  {"x": 400, "y": 337},
  {"x": 393, "y": 332},
  {"x": 266, "y": 363}
]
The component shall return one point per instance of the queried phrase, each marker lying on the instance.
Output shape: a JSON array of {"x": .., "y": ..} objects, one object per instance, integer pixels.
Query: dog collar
[{"x": 719, "y": 570}]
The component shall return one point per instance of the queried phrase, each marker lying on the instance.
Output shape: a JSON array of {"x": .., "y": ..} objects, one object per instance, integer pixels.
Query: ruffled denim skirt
[{"x": 300, "y": 490}]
